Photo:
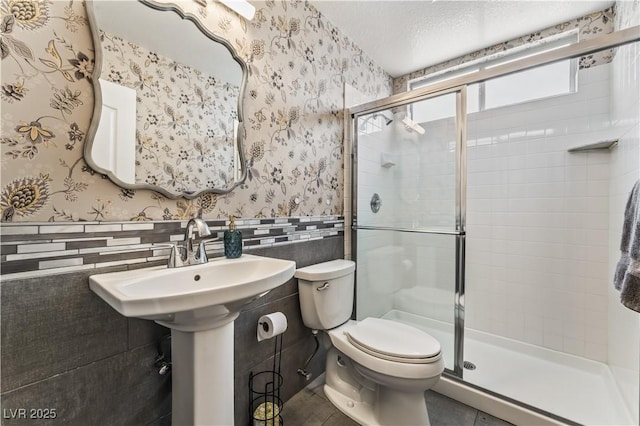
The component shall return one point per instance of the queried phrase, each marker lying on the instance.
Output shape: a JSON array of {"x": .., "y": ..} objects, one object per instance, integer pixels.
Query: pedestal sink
[{"x": 199, "y": 304}]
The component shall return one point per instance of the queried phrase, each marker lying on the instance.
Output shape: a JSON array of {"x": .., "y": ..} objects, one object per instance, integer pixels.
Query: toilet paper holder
[
  {"x": 265, "y": 404},
  {"x": 271, "y": 325}
]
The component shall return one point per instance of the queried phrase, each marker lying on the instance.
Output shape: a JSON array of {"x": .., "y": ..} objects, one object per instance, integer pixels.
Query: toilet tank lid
[{"x": 326, "y": 270}]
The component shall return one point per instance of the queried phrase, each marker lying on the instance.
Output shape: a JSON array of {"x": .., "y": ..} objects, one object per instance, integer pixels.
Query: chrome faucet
[{"x": 187, "y": 254}]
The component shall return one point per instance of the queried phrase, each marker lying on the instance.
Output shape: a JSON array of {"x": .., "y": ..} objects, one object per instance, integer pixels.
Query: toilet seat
[
  {"x": 373, "y": 361},
  {"x": 393, "y": 341}
]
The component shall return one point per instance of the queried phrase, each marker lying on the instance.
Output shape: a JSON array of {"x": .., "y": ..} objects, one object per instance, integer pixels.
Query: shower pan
[{"x": 498, "y": 238}]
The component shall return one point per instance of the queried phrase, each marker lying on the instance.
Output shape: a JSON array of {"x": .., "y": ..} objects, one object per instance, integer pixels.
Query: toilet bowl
[{"x": 377, "y": 370}]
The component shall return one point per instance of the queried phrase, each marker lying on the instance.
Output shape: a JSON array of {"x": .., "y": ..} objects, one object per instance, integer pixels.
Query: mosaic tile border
[{"x": 37, "y": 249}]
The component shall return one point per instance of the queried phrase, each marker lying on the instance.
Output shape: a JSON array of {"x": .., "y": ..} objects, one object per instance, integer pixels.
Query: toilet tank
[{"x": 326, "y": 293}]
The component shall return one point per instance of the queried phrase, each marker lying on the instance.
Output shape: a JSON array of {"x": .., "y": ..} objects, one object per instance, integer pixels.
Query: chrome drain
[{"x": 469, "y": 365}]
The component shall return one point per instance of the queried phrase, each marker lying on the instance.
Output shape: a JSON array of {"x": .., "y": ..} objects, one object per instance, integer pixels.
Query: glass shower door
[{"x": 408, "y": 216}]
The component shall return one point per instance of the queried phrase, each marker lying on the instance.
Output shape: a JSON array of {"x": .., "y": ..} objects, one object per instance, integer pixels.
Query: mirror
[{"x": 168, "y": 114}]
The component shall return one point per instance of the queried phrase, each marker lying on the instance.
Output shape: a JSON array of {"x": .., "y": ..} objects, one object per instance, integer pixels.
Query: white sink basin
[
  {"x": 199, "y": 303},
  {"x": 196, "y": 295}
]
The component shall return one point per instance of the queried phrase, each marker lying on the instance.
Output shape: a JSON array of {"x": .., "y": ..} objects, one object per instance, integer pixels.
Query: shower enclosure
[{"x": 487, "y": 211}]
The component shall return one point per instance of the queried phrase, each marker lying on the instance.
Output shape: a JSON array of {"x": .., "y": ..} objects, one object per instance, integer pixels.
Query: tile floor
[{"x": 310, "y": 407}]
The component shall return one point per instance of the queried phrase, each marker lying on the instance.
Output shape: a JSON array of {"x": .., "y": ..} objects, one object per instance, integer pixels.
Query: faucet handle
[
  {"x": 176, "y": 256},
  {"x": 202, "y": 253}
]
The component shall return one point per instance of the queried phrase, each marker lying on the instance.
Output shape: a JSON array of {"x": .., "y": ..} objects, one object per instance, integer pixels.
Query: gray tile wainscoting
[{"x": 64, "y": 348}]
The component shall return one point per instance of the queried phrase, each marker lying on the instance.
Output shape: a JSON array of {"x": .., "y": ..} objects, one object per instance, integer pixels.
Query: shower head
[
  {"x": 387, "y": 120},
  {"x": 411, "y": 125},
  {"x": 362, "y": 122}
]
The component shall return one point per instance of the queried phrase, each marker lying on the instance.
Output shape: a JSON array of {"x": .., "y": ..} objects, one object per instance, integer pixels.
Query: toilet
[{"x": 377, "y": 370}]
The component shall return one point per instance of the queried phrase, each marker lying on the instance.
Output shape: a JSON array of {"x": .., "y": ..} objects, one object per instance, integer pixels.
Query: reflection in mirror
[{"x": 170, "y": 112}]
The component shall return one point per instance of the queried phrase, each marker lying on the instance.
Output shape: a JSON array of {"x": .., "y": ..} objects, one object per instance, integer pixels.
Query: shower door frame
[
  {"x": 460, "y": 205},
  {"x": 459, "y": 84}
]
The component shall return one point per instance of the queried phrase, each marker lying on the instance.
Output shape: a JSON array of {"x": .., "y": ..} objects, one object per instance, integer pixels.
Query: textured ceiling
[{"x": 403, "y": 36}]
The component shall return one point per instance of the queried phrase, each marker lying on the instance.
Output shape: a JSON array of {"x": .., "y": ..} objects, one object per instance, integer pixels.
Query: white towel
[{"x": 627, "y": 276}]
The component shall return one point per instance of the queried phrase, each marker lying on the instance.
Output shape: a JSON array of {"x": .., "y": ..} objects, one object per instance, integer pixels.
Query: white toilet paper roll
[{"x": 271, "y": 325}]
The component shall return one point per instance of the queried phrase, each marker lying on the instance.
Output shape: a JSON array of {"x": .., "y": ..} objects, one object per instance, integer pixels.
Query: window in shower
[{"x": 556, "y": 79}]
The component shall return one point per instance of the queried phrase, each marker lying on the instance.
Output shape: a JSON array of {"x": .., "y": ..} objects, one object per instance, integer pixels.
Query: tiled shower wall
[
  {"x": 63, "y": 348},
  {"x": 537, "y": 244}
]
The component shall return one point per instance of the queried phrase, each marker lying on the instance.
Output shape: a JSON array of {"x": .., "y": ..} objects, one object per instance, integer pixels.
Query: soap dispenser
[{"x": 232, "y": 240}]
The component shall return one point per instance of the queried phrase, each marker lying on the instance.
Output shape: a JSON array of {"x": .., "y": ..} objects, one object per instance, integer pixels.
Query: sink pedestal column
[{"x": 202, "y": 375}]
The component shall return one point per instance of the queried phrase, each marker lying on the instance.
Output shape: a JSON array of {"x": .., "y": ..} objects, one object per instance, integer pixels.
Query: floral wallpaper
[
  {"x": 298, "y": 63},
  {"x": 185, "y": 119},
  {"x": 588, "y": 26}
]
